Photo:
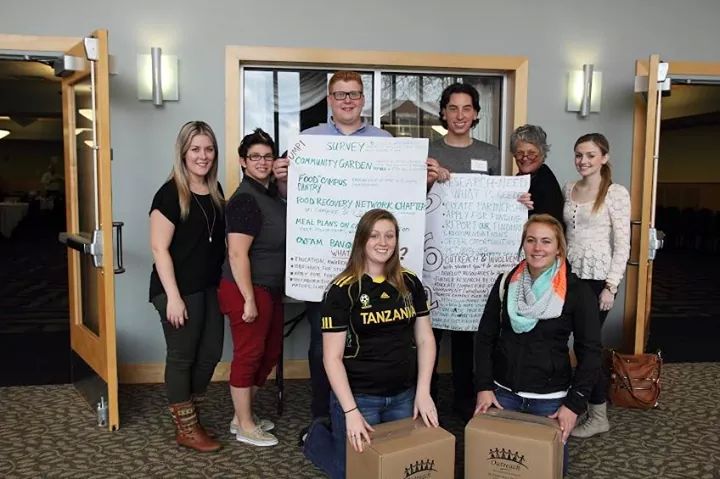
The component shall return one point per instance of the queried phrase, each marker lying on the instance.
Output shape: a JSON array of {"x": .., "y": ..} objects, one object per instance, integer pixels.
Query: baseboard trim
[{"x": 153, "y": 373}]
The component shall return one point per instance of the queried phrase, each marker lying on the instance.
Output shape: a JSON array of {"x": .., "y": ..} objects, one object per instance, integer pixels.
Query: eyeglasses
[
  {"x": 258, "y": 157},
  {"x": 341, "y": 95},
  {"x": 519, "y": 155}
]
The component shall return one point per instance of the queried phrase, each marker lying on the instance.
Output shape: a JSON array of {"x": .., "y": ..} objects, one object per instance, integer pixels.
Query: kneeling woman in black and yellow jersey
[{"x": 378, "y": 346}]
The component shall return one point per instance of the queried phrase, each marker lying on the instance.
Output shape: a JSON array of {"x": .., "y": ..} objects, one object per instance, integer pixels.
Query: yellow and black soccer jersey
[{"x": 380, "y": 353}]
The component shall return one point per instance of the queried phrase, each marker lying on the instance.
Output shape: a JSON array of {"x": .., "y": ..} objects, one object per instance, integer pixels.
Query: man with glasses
[
  {"x": 346, "y": 99},
  {"x": 459, "y": 152}
]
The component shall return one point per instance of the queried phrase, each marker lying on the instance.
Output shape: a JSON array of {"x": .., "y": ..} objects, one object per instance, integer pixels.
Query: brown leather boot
[
  {"x": 188, "y": 432},
  {"x": 198, "y": 400}
]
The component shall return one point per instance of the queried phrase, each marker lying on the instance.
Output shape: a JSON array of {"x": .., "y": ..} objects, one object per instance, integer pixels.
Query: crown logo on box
[
  {"x": 507, "y": 455},
  {"x": 420, "y": 466}
]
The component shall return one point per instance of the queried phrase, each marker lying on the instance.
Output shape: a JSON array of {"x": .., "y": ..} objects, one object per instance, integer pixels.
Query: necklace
[{"x": 210, "y": 228}]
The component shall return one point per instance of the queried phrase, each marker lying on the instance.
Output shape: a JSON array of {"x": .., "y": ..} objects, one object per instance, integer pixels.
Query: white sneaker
[
  {"x": 256, "y": 437},
  {"x": 265, "y": 425}
]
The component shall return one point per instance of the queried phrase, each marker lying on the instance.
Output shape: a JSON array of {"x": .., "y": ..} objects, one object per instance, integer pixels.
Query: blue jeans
[
  {"x": 539, "y": 407},
  {"x": 375, "y": 410}
]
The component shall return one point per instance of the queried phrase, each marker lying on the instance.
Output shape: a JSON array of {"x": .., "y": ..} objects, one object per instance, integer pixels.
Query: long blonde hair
[
  {"x": 605, "y": 171},
  {"x": 179, "y": 173},
  {"x": 356, "y": 263}
]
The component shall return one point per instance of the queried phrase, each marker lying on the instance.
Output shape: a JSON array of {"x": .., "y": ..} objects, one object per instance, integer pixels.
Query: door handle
[
  {"x": 117, "y": 226},
  {"x": 76, "y": 242},
  {"x": 92, "y": 247}
]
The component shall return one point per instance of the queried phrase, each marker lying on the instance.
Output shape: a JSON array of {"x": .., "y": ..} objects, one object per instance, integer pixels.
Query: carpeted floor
[
  {"x": 685, "y": 317},
  {"x": 48, "y": 432},
  {"x": 34, "y": 314}
]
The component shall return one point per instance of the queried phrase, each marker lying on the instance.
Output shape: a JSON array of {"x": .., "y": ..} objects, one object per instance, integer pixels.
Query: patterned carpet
[
  {"x": 34, "y": 314},
  {"x": 685, "y": 317},
  {"x": 33, "y": 285},
  {"x": 47, "y": 432}
]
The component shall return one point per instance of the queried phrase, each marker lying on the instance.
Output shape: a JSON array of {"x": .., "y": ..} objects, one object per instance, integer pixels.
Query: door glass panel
[
  {"x": 284, "y": 102},
  {"x": 84, "y": 159},
  {"x": 411, "y": 104},
  {"x": 89, "y": 284},
  {"x": 84, "y": 117}
]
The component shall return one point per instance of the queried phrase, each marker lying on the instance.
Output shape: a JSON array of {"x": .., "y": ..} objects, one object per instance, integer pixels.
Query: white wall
[{"x": 555, "y": 35}]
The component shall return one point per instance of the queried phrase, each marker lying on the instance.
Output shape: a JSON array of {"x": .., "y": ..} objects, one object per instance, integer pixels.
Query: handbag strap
[
  {"x": 628, "y": 382},
  {"x": 501, "y": 293}
]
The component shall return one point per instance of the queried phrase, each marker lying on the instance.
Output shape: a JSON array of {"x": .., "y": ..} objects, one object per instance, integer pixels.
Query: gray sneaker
[
  {"x": 265, "y": 425},
  {"x": 256, "y": 437}
]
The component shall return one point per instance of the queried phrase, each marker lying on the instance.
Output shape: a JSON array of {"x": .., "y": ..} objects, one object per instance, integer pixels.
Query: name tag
[{"x": 478, "y": 165}]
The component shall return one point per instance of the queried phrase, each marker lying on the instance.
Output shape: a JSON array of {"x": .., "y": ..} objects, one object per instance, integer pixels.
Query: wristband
[{"x": 350, "y": 410}]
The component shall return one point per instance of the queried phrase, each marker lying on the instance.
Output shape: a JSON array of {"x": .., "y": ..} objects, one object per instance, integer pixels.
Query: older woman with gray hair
[{"x": 529, "y": 147}]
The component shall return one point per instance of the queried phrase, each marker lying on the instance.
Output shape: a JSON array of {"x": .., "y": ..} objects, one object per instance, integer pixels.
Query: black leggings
[
  {"x": 194, "y": 349},
  {"x": 598, "y": 395}
]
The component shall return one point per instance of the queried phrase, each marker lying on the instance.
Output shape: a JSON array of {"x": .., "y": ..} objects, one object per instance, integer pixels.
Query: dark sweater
[
  {"x": 546, "y": 194},
  {"x": 259, "y": 212}
]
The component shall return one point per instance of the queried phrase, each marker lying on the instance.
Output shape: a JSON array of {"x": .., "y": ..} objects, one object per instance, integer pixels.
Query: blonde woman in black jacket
[{"x": 521, "y": 354}]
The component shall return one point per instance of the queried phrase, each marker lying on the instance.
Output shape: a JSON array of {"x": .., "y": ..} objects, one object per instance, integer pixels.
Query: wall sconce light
[
  {"x": 584, "y": 90},
  {"x": 4, "y": 133},
  {"x": 157, "y": 77}
]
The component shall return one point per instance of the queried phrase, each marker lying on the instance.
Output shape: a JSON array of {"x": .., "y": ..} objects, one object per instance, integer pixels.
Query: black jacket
[{"x": 537, "y": 361}]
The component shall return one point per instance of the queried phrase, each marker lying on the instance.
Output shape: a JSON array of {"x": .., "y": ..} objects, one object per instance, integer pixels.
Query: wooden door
[{"x": 646, "y": 138}]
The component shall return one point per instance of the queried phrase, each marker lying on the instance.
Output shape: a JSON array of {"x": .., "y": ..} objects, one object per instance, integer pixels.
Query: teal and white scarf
[{"x": 530, "y": 301}]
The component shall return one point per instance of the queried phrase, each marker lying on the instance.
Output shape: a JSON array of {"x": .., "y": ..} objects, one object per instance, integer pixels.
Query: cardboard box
[
  {"x": 511, "y": 445},
  {"x": 404, "y": 449}
]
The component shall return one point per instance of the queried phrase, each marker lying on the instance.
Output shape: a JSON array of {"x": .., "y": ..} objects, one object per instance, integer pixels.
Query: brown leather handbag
[{"x": 635, "y": 380}]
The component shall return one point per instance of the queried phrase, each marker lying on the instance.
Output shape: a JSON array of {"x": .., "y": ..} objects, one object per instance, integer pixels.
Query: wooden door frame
[
  {"x": 516, "y": 69},
  {"x": 35, "y": 43},
  {"x": 639, "y": 175}
]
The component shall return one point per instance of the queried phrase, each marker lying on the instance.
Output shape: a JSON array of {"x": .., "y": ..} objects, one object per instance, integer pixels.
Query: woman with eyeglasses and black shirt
[
  {"x": 529, "y": 147},
  {"x": 251, "y": 288}
]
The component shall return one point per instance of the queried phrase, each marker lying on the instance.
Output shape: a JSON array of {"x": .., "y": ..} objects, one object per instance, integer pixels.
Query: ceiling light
[{"x": 4, "y": 133}]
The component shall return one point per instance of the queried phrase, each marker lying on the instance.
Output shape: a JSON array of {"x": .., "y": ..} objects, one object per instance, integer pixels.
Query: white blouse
[{"x": 598, "y": 243}]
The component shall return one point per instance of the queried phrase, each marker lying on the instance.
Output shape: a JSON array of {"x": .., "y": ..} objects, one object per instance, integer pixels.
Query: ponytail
[{"x": 605, "y": 182}]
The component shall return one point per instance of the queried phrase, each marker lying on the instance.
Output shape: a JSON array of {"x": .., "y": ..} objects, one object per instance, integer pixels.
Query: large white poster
[
  {"x": 474, "y": 226},
  {"x": 332, "y": 182}
]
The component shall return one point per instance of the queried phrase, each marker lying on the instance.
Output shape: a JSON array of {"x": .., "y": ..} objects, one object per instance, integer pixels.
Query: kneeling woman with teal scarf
[{"x": 521, "y": 353}]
